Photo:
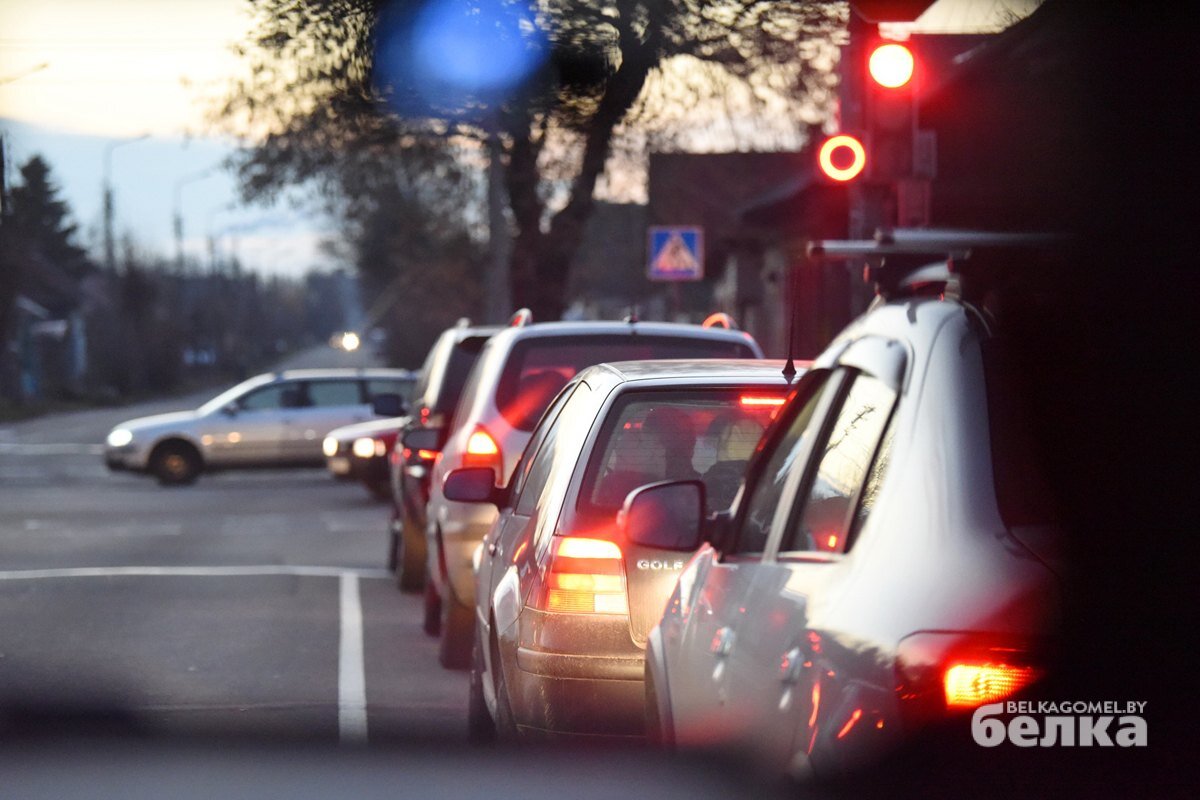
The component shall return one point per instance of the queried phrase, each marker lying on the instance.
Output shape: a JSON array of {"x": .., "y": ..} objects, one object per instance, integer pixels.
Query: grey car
[{"x": 274, "y": 419}]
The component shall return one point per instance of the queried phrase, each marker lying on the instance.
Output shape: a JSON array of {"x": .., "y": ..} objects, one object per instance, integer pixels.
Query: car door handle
[
  {"x": 790, "y": 664},
  {"x": 722, "y": 643}
]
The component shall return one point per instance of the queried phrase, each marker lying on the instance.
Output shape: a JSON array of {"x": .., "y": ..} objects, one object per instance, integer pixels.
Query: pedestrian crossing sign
[{"x": 676, "y": 253}]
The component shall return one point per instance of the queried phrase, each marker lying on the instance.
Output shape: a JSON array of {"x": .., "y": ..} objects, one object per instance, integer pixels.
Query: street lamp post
[
  {"x": 110, "y": 255},
  {"x": 178, "y": 210}
]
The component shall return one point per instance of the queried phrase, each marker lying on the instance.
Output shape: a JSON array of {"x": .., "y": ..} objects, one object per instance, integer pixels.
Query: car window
[
  {"x": 325, "y": 394},
  {"x": 705, "y": 434},
  {"x": 849, "y": 450},
  {"x": 400, "y": 386},
  {"x": 528, "y": 481},
  {"x": 462, "y": 357},
  {"x": 279, "y": 395},
  {"x": 555, "y": 462},
  {"x": 538, "y": 367},
  {"x": 768, "y": 488}
]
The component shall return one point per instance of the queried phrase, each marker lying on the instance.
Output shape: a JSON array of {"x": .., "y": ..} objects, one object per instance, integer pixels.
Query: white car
[{"x": 274, "y": 419}]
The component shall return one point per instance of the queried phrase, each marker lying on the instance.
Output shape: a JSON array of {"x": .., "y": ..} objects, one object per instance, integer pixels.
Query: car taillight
[
  {"x": 482, "y": 451},
  {"x": 970, "y": 685},
  {"x": 759, "y": 401},
  {"x": 427, "y": 455},
  {"x": 586, "y": 576},
  {"x": 943, "y": 673}
]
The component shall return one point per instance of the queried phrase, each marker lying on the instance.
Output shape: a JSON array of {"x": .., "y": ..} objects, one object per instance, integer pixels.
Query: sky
[{"x": 82, "y": 80}]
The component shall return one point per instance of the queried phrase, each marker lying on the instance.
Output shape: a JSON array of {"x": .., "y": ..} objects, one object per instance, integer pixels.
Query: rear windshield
[
  {"x": 538, "y": 368},
  {"x": 705, "y": 434}
]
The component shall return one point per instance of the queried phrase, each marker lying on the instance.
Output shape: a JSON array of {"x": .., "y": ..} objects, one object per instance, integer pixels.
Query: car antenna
[{"x": 789, "y": 368}]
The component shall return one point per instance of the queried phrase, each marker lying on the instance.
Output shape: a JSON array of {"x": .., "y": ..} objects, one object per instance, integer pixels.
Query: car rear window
[
  {"x": 538, "y": 368},
  {"x": 704, "y": 434}
]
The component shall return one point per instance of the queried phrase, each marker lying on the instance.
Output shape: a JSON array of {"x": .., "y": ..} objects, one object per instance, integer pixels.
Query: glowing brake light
[
  {"x": 586, "y": 576},
  {"x": 973, "y": 685},
  {"x": 427, "y": 455},
  {"x": 482, "y": 451},
  {"x": 751, "y": 401}
]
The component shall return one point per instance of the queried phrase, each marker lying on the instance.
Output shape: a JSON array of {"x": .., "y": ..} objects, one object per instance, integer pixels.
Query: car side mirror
[
  {"x": 388, "y": 404},
  {"x": 473, "y": 485},
  {"x": 667, "y": 515},
  {"x": 230, "y": 409}
]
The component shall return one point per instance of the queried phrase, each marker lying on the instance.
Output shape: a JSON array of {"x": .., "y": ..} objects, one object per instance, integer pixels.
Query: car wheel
[
  {"x": 175, "y": 464},
  {"x": 394, "y": 544},
  {"x": 410, "y": 561},
  {"x": 458, "y": 629},
  {"x": 506, "y": 726},
  {"x": 432, "y": 624},
  {"x": 481, "y": 728},
  {"x": 655, "y": 735}
]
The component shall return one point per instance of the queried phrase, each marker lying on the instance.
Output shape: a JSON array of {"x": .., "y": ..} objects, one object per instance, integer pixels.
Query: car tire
[
  {"x": 458, "y": 629},
  {"x": 655, "y": 735},
  {"x": 432, "y": 623},
  {"x": 481, "y": 728},
  {"x": 506, "y": 726},
  {"x": 410, "y": 562},
  {"x": 175, "y": 464},
  {"x": 394, "y": 544}
]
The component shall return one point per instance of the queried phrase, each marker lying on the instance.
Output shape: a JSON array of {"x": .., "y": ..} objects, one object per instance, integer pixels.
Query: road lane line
[
  {"x": 352, "y": 681},
  {"x": 201, "y": 572},
  {"x": 50, "y": 449}
]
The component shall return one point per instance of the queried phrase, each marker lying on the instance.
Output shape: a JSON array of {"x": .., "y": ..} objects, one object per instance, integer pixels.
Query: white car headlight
[
  {"x": 120, "y": 437},
  {"x": 364, "y": 447},
  {"x": 329, "y": 447}
]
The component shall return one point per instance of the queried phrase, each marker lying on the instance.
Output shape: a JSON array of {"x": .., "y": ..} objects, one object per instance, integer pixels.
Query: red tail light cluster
[
  {"x": 482, "y": 451},
  {"x": 939, "y": 673},
  {"x": 586, "y": 576}
]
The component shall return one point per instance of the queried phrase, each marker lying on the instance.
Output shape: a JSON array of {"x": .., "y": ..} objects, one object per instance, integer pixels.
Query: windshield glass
[{"x": 704, "y": 434}]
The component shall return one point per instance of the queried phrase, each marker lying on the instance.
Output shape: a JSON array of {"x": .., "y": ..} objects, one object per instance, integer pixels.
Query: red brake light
[
  {"x": 754, "y": 401},
  {"x": 970, "y": 685},
  {"x": 482, "y": 451},
  {"x": 585, "y": 576},
  {"x": 425, "y": 455}
]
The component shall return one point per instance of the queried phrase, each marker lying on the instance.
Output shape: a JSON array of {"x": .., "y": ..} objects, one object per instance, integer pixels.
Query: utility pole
[{"x": 110, "y": 254}]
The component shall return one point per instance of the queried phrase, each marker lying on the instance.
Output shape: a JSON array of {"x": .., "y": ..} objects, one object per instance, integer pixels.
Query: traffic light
[{"x": 842, "y": 157}]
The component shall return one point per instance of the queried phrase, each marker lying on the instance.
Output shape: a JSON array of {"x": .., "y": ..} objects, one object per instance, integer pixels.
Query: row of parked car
[{"x": 636, "y": 529}]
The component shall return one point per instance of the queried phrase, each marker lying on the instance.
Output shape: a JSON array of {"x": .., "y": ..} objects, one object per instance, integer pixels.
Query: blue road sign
[{"x": 675, "y": 253}]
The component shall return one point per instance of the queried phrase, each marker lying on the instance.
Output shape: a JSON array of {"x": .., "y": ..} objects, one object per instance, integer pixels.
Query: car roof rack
[{"x": 911, "y": 260}]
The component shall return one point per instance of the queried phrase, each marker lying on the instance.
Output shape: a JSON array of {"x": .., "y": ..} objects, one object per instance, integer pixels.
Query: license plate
[{"x": 339, "y": 465}]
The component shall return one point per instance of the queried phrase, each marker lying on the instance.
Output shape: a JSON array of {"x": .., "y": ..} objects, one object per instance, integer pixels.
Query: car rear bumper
[{"x": 577, "y": 674}]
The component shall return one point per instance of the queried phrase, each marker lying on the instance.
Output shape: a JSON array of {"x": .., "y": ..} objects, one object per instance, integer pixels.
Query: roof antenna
[{"x": 789, "y": 369}]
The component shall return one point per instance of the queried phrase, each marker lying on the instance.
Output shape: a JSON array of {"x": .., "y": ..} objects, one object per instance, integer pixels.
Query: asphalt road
[{"x": 251, "y": 603}]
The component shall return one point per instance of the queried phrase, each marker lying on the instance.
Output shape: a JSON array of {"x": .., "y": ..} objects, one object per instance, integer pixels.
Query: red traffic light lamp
[
  {"x": 842, "y": 158},
  {"x": 891, "y": 65}
]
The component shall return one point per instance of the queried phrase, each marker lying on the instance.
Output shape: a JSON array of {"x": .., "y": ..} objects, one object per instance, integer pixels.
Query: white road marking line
[
  {"x": 51, "y": 449},
  {"x": 352, "y": 682},
  {"x": 201, "y": 572}
]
